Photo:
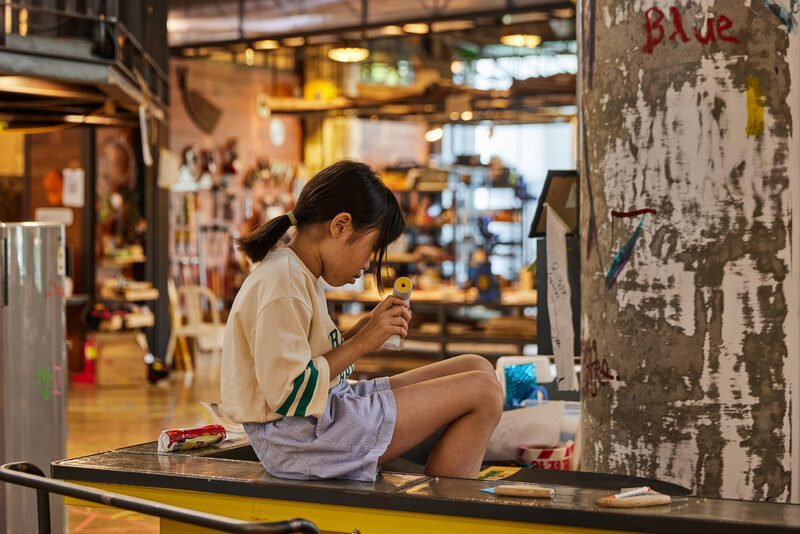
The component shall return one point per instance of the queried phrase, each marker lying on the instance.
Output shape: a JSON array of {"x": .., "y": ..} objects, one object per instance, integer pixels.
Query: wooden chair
[{"x": 188, "y": 321}]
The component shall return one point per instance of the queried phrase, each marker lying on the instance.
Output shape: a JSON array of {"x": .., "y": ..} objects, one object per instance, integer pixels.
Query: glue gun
[{"x": 402, "y": 289}]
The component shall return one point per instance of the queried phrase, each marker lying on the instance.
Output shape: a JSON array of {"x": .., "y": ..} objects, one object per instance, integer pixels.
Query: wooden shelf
[
  {"x": 120, "y": 261},
  {"x": 475, "y": 337},
  {"x": 129, "y": 321}
]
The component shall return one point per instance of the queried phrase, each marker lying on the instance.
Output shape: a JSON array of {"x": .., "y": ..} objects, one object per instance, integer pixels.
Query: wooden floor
[{"x": 101, "y": 419}]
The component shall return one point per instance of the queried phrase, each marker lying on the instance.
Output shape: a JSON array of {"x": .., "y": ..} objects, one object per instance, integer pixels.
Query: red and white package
[
  {"x": 558, "y": 458},
  {"x": 190, "y": 438}
]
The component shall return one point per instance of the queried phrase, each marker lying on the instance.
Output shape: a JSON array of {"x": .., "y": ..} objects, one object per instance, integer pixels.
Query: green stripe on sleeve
[
  {"x": 308, "y": 394},
  {"x": 284, "y": 409}
]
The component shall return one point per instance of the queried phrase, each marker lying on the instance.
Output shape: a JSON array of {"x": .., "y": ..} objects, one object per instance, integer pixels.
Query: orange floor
[{"x": 101, "y": 419}]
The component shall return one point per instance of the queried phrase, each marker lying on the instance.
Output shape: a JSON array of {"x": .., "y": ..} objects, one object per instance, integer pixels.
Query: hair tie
[{"x": 292, "y": 218}]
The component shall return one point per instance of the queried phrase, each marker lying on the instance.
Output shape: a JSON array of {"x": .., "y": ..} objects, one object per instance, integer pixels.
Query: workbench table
[{"x": 227, "y": 479}]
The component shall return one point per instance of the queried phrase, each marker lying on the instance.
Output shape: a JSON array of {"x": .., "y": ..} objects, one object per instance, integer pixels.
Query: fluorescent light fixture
[
  {"x": 392, "y": 30},
  {"x": 348, "y": 54},
  {"x": 88, "y": 119},
  {"x": 9, "y": 20},
  {"x": 294, "y": 41},
  {"x": 416, "y": 27},
  {"x": 266, "y": 44},
  {"x": 23, "y": 22},
  {"x": 434, "y": 135},
  {"x": 521, "y": 40}
]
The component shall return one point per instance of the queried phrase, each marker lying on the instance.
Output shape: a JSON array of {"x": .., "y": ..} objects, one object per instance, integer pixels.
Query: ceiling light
[
  {"x": 249, "y": 57},
  {"x": 456, "y": 67},
  {"x": 266, "y": 44},
  {"x": 466, "y": 116},
  {"x": 348, "y": 54},
  {"x": 416, "y": 27},
  {"x": 521, "y": 40},
  {"x": 392, "y": 30},
  {"x": 294, "y": 41},
  {"x": 434, "y": 135}
]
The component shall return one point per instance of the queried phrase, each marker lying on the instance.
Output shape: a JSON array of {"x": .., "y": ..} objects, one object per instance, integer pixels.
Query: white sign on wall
[{"x": 74, "y": 191}]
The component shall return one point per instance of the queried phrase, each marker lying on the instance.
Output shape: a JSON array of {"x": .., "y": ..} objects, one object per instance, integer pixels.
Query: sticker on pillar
[
  {"x": 755, "y": 108},
  {"x": 625, "y": 253},
  {"x": 785, "y": 14},
  {"x": 559, "y": 295}
]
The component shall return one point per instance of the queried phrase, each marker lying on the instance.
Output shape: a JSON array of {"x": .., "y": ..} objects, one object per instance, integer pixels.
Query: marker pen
[{"x": 631, "y": 493}]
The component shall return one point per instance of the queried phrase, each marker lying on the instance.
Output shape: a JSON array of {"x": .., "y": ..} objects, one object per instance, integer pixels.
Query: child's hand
[{"x": 387, "y": 318}]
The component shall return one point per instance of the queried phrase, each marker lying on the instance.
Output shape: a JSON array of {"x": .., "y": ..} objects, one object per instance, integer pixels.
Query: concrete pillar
[{"x": 690, "y": 360}]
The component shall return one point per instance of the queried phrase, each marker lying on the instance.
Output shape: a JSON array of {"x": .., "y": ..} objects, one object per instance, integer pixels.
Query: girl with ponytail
[{"x": 285, "y": 364}]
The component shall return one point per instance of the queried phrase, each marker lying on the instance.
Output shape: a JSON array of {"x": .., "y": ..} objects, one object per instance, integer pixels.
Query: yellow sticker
[
  {"x": 497, "y": 472},
  {"x": 755, "y": 108}
]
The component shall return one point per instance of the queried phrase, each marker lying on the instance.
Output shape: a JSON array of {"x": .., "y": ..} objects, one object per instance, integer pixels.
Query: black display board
[{"x": 562, "y": 193}]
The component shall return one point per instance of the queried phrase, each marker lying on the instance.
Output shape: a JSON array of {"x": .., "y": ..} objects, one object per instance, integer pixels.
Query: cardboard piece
[{"x": 650, "y": 499}]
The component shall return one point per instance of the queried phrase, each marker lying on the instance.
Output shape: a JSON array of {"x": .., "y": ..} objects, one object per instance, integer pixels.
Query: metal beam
[
  {"x": 333, "y": 30},
  {"x": 27, "y": 85}
]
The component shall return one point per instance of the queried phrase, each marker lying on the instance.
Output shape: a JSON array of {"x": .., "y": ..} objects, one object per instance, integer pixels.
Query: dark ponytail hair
[{"x": 346, "y": 186}]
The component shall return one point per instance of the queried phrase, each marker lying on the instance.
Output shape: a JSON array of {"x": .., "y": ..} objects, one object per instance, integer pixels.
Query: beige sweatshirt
[{"x": 275, "y": 338}]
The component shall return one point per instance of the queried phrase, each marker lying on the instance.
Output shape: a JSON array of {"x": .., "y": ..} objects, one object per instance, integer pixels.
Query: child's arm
[{"x": 389, "y": 317}]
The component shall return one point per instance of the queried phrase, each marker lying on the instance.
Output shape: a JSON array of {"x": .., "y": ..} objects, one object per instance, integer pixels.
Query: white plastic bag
[{"x": 534, "y": 426}]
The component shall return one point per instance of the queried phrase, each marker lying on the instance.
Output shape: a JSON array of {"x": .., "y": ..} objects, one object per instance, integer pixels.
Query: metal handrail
[{"x": 27, "y": 474}]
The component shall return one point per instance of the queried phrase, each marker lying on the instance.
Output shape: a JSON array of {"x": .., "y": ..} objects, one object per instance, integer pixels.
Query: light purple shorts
[{"x": 344, "y": 442}]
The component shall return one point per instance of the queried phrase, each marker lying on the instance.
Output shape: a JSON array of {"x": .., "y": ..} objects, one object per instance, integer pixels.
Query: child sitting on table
[{"x": 285, "y": 364}]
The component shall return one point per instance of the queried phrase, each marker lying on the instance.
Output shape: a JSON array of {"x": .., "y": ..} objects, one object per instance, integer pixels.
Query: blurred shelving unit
[{"x": 444, "y": 327}]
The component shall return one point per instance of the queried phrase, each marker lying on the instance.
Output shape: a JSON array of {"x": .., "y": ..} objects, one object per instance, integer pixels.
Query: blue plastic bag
[{"x": 520, "y": 382}]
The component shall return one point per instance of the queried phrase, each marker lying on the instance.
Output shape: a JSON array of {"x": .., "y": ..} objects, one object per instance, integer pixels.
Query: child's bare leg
[
  {"x": 469, "y": 403},
  {"x": 450, "y": 366}
]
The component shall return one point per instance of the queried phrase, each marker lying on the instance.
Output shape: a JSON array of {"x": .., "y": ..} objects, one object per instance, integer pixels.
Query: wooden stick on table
[{"x": 524, "y": 490}]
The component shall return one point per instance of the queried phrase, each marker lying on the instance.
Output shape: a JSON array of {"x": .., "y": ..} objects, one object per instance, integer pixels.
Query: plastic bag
[
  {"x": 520, "y": 382},
  {"x": 534, "y": 426}
]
